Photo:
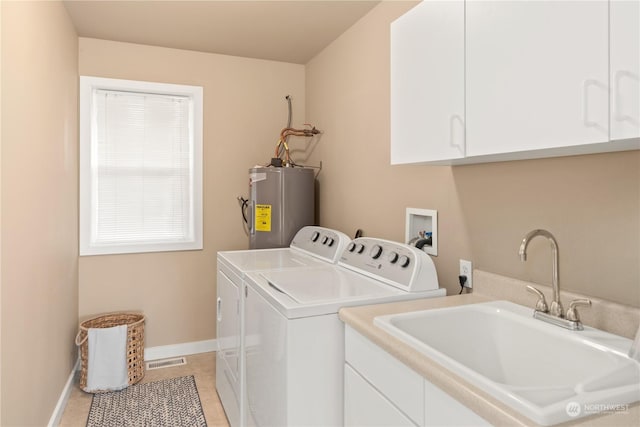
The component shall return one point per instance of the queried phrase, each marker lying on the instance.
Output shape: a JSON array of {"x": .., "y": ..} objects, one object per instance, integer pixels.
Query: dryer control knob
[
  {"x": 404, "y": 261},
  {"x": 376, "y": 251},
  {"x": 330, "y": 242},
  {"x": 393, "y": 257},
  {"x": 325, "y": 239},
  {"x": 351, "y": 247},
  {"x": 315, "y": 236},
  {"x": 359, "y": 248}
]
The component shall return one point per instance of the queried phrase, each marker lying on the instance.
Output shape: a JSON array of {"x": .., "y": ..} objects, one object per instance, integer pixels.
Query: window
[{"x": 140, "y": 166}]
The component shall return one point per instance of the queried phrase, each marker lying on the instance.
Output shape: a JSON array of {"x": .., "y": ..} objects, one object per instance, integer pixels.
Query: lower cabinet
[
  {"x": 365, "y": 406},
  {"x": 382, "y": 391}
]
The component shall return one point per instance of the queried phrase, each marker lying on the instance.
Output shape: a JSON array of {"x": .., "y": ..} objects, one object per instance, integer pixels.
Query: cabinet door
[
  {"x": 536, "y": 75},
  {"x": 427, "y": 83},
  {"x": 442, "y": 410},
  {"x": 365, "y": 406},
  {"x": 402, "y": 386},
  {"x": 625, "y": 68}
]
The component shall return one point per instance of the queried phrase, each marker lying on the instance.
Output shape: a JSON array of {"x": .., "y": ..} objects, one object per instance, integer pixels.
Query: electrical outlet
[{"x": 466, "y": 269}]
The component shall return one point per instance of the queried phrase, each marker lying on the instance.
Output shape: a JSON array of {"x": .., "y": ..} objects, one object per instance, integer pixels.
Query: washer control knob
[
  {"x": 359, "y": 248},
  {"x": 393, "y": 257},
  {"x": 351, "y": 247},
  {"x": 404, "y": 261},
  {"x": 330, "y": 241},
  {"x": 325, "y": 239},
  {"x": 375, "y": 251},
  {"x": 315, "y": 236}
]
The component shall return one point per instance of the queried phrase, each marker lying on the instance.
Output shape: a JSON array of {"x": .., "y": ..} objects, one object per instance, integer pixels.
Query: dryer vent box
[{"x": 422, "y": 224}]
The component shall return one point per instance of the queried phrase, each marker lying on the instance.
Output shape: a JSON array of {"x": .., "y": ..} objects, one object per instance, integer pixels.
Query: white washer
[
  {"x": 311, "y": 246},
  {"x": 294, "y": 341}
]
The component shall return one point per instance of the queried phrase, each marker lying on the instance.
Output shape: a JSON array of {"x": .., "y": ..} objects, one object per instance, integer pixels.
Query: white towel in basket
[{"x": 107, "y": 361}]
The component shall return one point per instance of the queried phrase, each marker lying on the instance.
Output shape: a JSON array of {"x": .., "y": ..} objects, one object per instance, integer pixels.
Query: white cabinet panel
[
  {"x": 625, "y": 68},
  {"x": 536, "y": 75},
  {"x": 427, "y": 83},
  {"x": 365, "y": 406},
  {"x": 401, "y": 385},
  {"x": 442, "y": 410}
]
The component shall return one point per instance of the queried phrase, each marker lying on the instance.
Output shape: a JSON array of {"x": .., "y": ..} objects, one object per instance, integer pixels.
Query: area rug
[{"x": 171, "y": 402}]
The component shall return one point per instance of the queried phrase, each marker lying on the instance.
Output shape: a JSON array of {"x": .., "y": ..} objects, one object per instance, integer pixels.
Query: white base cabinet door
[
  {"x": 365, "y": 406},
  {"x": 442, "y": 410}
]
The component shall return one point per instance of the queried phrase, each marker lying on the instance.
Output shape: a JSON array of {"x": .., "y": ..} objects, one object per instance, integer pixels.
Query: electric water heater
[{"x": 281, "y": 202}]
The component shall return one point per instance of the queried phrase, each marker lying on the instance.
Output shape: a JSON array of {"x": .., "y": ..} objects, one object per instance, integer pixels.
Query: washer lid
[
  {"x": 315, "y": 285},
  {"x": 267, "y": 259}
]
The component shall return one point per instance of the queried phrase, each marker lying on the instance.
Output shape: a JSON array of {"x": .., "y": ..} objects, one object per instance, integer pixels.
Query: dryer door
[{"x": 228, "y": 337}]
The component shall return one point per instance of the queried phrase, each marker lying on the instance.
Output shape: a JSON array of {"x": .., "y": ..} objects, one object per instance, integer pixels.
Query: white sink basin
[{"x": 545, "y": 372}]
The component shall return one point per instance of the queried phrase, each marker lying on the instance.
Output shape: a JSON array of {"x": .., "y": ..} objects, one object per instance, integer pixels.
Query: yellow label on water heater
[{"x": 263, "y": 217}]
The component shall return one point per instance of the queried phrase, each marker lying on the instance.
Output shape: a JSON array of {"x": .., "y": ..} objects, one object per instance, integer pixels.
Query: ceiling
[{"x": 289, "y": 31}]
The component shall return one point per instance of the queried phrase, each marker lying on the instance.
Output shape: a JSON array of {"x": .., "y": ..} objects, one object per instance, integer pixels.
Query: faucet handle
[
  {"x": 541, "y": 305},
  {"x": 572, "y": 311}
]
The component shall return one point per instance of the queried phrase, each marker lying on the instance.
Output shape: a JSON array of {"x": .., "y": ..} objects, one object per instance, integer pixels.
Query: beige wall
[
  {"x": 39, "y": 208},
  {"x": 590, "y": 203},
  {"x": 0, "y": 215},
  {"x": 244, "y": 111}
]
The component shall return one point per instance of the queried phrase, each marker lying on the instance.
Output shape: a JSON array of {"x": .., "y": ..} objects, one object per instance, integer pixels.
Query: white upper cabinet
[
  {"x": 536, "y": 74},
  {"x": 625, "y": 69},
  {"x": 427, "y": 83},
  {"x": 476, "y": 81}
]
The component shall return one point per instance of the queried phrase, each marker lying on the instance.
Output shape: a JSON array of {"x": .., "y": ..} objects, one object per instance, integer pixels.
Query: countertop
[{"x": 489, "y": 408}]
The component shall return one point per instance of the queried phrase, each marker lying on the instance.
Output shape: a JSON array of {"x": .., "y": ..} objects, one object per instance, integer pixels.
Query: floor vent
[{"x": 166, "y": 363}]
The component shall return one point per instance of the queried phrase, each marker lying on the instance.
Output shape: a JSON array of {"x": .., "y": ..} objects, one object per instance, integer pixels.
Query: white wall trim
[
  {"x": 184, "y": 349},
  {"x": 56, "y": 416}
]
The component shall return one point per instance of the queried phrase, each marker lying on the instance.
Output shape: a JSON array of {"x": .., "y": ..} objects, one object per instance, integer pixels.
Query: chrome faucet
[
  {"x": 556, "y": 305},
  {"x": 554, "y": 313}
]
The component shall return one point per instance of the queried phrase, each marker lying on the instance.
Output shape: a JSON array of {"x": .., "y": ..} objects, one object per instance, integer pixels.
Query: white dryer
[
  {"x": 311, "y": 246},
  {"x": 294, "y": 341}
]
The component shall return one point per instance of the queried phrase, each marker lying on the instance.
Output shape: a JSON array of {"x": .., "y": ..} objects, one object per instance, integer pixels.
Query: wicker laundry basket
[{"x": 135, "y": 344}]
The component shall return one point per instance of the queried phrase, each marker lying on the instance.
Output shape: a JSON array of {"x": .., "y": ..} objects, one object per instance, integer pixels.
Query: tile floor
[{"x": 201, "y": 366}]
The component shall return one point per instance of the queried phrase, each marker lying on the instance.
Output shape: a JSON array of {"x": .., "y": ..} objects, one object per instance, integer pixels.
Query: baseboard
[
  {"x": 184, "y": 349},
  {"x": 56, "y": 416}
]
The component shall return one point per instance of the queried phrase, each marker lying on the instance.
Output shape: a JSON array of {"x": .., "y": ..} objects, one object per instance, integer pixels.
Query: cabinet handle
[
  {"x": 585, "y": 103},
  {"x": 461, "y": 147},
  {"x": 218, "y": 310},
  {"x": 618, "y": 76}
]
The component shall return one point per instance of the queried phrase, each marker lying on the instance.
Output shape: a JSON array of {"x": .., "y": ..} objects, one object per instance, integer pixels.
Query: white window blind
[{"x": 140, "y": 167}]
